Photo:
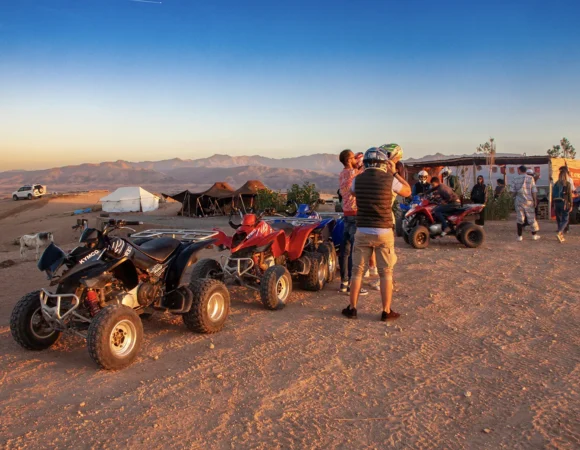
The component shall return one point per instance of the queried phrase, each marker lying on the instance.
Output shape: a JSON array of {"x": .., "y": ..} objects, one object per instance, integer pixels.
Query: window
[
  {"x": 512, "y": 170},
  {"x": 494, "y": 169}
]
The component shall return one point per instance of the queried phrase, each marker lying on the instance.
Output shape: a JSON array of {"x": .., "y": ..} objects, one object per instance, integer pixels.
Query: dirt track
[{"x": 488, "y": 341}]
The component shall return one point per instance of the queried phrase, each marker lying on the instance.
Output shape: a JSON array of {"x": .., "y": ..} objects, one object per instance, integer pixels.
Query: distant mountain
[
  {"x": 274, "y": 178},
  {"x": 176, "y": 174},
  {"x": 323, "y": 162}
]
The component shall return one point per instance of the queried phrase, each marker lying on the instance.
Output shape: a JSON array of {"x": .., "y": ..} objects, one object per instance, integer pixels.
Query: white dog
[{"x": 35, "y": 240}]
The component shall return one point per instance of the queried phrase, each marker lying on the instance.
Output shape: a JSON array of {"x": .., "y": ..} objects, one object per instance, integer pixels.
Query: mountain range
[{"x": 172, "y": 175}]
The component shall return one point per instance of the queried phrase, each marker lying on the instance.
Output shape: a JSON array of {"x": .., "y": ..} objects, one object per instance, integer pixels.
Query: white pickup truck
[{"x": 29, "y": 192}]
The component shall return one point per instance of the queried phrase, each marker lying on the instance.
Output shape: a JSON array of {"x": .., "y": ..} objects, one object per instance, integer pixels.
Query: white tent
[{"x": 130, "y": 199}]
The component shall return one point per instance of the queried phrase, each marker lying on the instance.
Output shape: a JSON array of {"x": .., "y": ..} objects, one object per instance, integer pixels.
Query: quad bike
[
  {"x": 575, "y": 213},
  {"x": 265, "y": 255},
  {"x": 402, "y": 209},
  {"x": 106, "y": 285},
  {"x": 419, "y": 225}
]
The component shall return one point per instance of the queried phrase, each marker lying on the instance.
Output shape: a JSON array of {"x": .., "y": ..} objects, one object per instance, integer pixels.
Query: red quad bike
[
  {"x": 420, "y": 225},
  {"x": 264, "y": 257}
]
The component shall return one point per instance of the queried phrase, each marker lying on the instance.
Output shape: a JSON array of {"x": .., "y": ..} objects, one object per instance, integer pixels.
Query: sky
[{"x": 91, "y": 81}]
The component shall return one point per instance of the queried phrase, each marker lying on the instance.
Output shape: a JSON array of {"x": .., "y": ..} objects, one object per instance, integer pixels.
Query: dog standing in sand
[{"x": 35, "y": 240}]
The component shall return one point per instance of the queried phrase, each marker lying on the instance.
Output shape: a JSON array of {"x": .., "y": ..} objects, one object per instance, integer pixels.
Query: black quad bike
[{"x": 105, "y": 286}]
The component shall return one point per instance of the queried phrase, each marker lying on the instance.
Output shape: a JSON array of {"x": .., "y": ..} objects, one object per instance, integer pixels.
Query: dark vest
[{"x": 374, "y": 199}]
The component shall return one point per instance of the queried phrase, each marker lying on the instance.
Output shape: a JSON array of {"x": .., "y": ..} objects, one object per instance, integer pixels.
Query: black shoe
[
  {"x": 349, "y": 312},
  {"x": 389, "y": 316}
]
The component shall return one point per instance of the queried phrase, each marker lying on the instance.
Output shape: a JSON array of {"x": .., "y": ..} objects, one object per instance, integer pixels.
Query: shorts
[{"x": 382, "y": 245}]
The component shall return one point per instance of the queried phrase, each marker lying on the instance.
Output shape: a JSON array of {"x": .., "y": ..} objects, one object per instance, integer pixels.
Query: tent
[
  {"x": 130, "y": 199},
  {"x": 243, "y": 198},
  {"x": 209, "y": 202}
]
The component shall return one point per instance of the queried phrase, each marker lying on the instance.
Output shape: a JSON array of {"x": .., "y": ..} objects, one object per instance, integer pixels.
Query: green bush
[
  {"x": 499, "y": 208},
  {"x": 268, "y": 199},
  {"x": 306, "y": 193}
]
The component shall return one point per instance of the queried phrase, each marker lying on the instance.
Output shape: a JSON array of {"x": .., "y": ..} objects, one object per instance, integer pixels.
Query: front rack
[{"x": 180, "y": 234}]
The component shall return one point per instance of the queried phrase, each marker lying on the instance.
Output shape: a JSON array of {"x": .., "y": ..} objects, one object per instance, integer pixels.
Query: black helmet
[{"x": 375, "y": 157}]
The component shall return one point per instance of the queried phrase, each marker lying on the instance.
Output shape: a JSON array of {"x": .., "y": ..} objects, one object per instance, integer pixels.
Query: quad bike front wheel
[
  {"x": 316, "y": 278},
  {"x": 472, "y": 236},
  {"x": 419, "y": 237},
  {"x": 331, "y": 258},
  {"x": 29, "y": 327},
  {"x": 206, "y": 268},
  {"x": 275, "y": 287},
  {"x": 114, "y": 337},
  {"x": 210, "y": 308}
]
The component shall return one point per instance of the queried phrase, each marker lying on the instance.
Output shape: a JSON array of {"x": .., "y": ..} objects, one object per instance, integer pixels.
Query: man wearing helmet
[
  {"x": 451, "y": 180},
  {"x": 374, "y": 190},
  {"x": 421, "y": 186}
]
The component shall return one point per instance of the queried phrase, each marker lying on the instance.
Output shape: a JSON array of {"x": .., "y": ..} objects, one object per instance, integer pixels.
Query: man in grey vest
[{"x": 374, "y": 190}]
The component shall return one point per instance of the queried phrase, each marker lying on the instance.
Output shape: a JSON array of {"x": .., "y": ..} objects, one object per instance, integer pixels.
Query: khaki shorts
[{"x": 382, "y": 245}]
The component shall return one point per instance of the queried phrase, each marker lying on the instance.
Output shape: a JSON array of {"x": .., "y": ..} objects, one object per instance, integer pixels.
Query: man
[
  {"x": 448, "y": 202},
  {"x": 352, "y": 167},
  {"x": 374, "y": 190},
  {"x": 451, "y": 180},
  {"x": 479, "y": 196},
  {"x": 421, "y": 186},
  {"x": 499, "y": 189},
  {"x": 526, "y": 200}
]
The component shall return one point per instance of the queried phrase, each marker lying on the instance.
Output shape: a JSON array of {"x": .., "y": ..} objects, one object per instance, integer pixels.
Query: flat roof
[{"x": 480, "y": 161}]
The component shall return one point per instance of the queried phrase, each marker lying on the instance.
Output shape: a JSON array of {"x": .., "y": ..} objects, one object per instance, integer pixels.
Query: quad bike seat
[
  {"x": 159, "y": 249},
  {"x": 288, "y": 228}
]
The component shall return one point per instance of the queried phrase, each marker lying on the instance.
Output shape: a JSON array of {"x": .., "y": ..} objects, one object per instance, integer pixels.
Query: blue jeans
[
  {"x": 442, "y": 211},
  {"x": 346, "y": 247},
  {"x": 562, "y": 215}
]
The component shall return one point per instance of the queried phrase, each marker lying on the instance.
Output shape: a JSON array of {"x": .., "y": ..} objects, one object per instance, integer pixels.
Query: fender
[
  {"x": 223, "y": 239},
  {"x": 186, "y": 257},
  {"x": 298, "y": 240},
  {"x": 123, "y": 269},
  {"x": 337, "y": 232}
]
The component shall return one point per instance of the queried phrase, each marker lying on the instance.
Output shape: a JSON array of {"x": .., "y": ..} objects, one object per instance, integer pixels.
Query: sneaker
[
  {"x": 374, "y": 271},
  {"x": 375, "y": 285},
  {"x": 535, "y": 237},
  {"x": 361, "y": 292},
  {"x": 349, "y": 312},
  {"x": 389, "y": 316},
  {"x": 367, "y": 274},
  {"x": 343, "y": 287},
  {"x": 560, "y": 237},
  {"x": 520, "y": 238}
]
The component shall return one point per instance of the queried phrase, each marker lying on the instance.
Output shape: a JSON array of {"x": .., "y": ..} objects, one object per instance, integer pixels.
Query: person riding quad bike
[
  {"x": 422, "y": 186},
  {"x": 448, "y": 202}
]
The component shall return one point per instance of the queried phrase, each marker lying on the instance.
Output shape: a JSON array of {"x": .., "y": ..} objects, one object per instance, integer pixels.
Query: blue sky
[{"x": 87, "y": 81}]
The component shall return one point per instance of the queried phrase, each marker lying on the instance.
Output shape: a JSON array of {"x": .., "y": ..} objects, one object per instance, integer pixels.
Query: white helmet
[
  {"x": 423, "y": 174},
  {"x": 530, "y": 172},
  {"x": 446, "y": 170}
]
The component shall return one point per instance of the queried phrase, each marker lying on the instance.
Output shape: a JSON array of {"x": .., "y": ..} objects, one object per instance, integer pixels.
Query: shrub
[
  {"x": 267, "y": 199},
  {"x": 306, "y": 193}
]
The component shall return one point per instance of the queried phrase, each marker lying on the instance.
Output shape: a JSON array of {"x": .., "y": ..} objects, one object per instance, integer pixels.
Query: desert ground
[{"x": 485, "y": 355}]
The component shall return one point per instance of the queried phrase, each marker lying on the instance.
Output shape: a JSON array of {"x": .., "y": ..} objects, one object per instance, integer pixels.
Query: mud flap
[
  {"x": 302, "y": 265},
  {"x": 178, "y": 301}
]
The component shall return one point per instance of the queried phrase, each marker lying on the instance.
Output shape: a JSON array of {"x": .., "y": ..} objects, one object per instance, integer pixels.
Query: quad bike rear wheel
[
  {"x": 210, "y": 308},
  {"x": 275, "y": 287},
  {"x": 29, "y": 327},
  {"x": 406, "y": 237},
  {"x": 399, "y": 226},
  {"x": 206, "y": 268},
  {"x": 472, "y": 236},
  {"x": 458, "y": 231},
  {"x": 114, "y": 337},
  {"x": 316, "y": 278},
  {"x": 419, "y": 237},
  {"x": 331, "y": 258}
]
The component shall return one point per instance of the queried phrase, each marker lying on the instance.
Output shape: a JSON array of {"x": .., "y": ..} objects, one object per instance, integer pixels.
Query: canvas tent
[
  {"x": 209, "y": 202},
  {"x": 244, "y": 197},
  {"x": 130, "y": 199}
]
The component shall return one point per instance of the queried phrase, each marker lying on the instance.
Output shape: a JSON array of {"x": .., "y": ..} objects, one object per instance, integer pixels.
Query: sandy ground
[{"x": 485, "y": 355}]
